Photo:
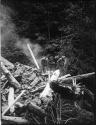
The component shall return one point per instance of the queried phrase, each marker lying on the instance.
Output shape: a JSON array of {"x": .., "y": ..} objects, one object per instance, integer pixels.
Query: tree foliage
[{"x": 60, "y": 27}]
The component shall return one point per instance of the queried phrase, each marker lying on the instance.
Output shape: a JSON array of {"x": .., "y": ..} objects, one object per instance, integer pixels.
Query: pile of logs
[{"x": 29, "y": 91}]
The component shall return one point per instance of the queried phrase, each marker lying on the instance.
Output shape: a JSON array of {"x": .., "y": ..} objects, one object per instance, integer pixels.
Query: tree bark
[
  {"x": 13, "y": 103},
  {"x": 11, "y": 98},
  {"x": 78, "y": 77},
  {"x": 10, "y": 77},
  {"x": 6, "y": 62},
  {"x": 35, "y": 109},
  {"x": 35, "y": 82},
  {"x": 14, "y": 120}
]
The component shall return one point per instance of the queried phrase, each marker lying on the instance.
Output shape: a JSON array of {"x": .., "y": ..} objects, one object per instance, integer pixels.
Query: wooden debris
[
  {"x": 11, "y": 98},
  {"x": 5, "y": 84},
  {"x": 6, "y": 62},
  {"x": 31, "y": 103},
  {"x": 78, "y": 77},
  {"x": 10, "y": 77},
  {"x": 39, "y": 89},
  {"x": 33, "y": 56},
  {"x": 32, "y": 77},
  {"x": 65, "y": 76},
  {"x": 36, "y": 109},
  {"x": 13, "y": 103},
  {"x": 15, "y": 120},
  {"x": 36, "y": 81}
]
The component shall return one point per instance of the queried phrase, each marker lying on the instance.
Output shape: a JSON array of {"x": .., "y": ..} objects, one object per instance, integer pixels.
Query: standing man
[
  {"x": 44, "y": 63},
  {"x": 62, "y": 64}
]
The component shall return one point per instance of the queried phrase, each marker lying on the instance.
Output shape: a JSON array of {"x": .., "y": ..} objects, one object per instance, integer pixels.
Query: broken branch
[
  {"x": 6, "y": 62},
  {"x": 11, "y": 98},
  {"x": 78, "y": 77},
  {"x": 9, "y": 76},
  {"x": 39, "y": 89},
  {"x": 33, "y": 56},
  {"x": 13, "y": 103},
  {"x": 18, "y": 120},
  {"x": 34, "y": 108}
]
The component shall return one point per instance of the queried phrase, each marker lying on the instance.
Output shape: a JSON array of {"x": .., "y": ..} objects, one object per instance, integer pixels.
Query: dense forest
[
  {"x": 63, "y": 27},
  {"x": 63, "y": 33}
]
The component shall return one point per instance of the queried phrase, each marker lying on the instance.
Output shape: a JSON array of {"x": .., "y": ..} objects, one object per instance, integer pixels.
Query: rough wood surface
[
  {"x": 11, "y": 98},
  {"x": 35, "y": 82},
  {"x": 78, "y": 77},
  {"x": 36, "y": 109},
  {"x": 39, "y": 89},
  {"x": 10, "y": 77},
  {"x": 6, "y": 62},
  {"x": 15, "y": 120},
  {"x": 13, "y": 103}
]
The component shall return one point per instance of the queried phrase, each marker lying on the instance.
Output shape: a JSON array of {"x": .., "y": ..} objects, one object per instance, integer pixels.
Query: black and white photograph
[{"x": 47, "y": 62}]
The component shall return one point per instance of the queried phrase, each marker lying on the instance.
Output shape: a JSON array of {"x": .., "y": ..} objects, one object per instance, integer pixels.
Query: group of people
[{"x": 52, "y": 63}]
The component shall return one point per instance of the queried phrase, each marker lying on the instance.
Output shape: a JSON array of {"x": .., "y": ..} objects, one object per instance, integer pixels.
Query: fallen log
[
  {"x": 35, "y": 82},
  {"x": 11, "y": 98},
  {"x": 15, "y": 120},
  {"x": 78, "y": 77},
  {"x": 39, "y": 89},
  {"x": 70, "y": 91},
  {"x": 10, "y": 77},
  {"x": 35, "y": 109},
  {"x": 33, "y": 76},
  {"x": 6, "y": 62},
  {"x": 13, "y": 103}
]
